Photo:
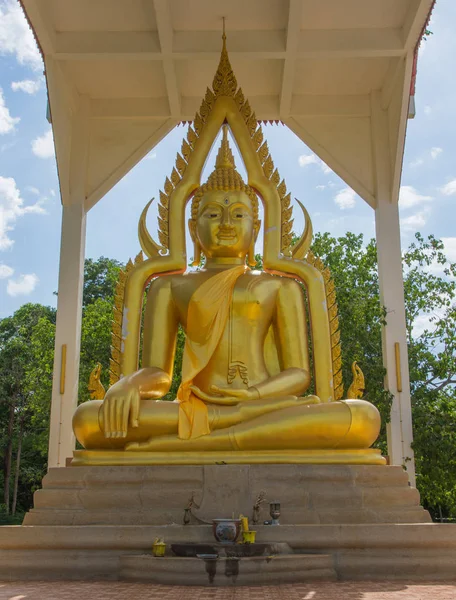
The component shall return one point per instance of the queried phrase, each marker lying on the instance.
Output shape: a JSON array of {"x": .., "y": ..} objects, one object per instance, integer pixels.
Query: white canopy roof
[{"x": 122, "y": 73}]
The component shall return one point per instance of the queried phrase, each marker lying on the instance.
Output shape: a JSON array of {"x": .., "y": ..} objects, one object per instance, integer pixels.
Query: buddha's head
[{"x": 224, "y": 221}]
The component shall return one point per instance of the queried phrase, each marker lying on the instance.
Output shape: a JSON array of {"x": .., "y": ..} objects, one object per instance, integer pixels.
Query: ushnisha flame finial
[
  {"x": 224, "y": 82},
  {"x": 225, "y": 158},
  {"x": 224, "y": 177}
]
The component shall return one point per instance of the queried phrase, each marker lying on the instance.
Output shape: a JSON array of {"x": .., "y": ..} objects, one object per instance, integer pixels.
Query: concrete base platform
[
  {"x": 158, "y": 495},
  {"x": 355, "y": 522}
]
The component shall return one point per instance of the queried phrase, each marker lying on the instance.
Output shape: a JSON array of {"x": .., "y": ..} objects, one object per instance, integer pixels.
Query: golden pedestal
[{"x": 369, "y": 456}]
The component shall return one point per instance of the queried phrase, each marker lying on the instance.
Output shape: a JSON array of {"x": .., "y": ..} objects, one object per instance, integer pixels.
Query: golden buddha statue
[{"x": 246, "y": 365}]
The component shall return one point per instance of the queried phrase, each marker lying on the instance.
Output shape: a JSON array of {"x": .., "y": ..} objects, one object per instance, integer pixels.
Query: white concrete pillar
[
  {"x": 68, "y": 334},
  {"x": 394, "y": 337},
  {"x": 72, "y": 134},
  {"x": 394, "y": 334}
]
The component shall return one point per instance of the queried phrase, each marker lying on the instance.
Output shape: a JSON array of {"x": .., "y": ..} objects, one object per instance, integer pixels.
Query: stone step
[
  {"x": 45, "y": 516},
  {"x": 300, "y": 537},
  {"x": 191, "y": 475},
  {"x": 157, "y": 495},
  {"x": 257, "y": 570},
  {"x": 403, "y": 551},
  {"x": 311, "y": 499}
]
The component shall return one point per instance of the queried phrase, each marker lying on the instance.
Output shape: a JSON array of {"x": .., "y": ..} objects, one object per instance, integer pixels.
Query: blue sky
[{"x": 30, "y": 210}]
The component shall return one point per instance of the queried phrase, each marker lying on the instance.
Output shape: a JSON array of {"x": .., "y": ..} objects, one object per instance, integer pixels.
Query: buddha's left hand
[{"x": 225, "y": 397}]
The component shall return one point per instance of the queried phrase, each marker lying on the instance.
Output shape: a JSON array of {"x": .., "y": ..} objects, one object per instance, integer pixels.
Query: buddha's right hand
[{"x": 120, "y": 407}]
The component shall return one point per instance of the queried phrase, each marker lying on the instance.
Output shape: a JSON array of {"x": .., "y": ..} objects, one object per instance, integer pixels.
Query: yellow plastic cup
[
  {"x": 158, "y": 549},
  {"x": 248, "y": 537}
]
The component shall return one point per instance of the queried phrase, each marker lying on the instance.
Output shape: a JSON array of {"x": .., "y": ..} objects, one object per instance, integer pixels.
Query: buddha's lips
[{"x": 226, "y": 235}]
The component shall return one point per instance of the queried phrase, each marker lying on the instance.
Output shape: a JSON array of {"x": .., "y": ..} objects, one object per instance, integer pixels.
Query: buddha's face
[{"x": 225, "y": 224}]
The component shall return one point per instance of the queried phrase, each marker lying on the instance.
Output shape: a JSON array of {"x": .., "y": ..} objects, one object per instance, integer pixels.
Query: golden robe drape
[{"x": 208, "y": 312}]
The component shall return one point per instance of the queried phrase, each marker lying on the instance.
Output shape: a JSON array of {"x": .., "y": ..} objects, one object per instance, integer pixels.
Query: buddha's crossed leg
[
  {"x": 348, "y": 424},
  {"x": 161, "y": 419}
]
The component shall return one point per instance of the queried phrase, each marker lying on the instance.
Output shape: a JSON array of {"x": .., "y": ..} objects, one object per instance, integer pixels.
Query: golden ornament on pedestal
[{"x": 95, "y": 387}]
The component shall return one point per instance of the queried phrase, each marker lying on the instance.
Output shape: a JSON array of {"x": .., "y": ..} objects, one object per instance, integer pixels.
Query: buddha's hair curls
[{"x": 225, "y": 178}]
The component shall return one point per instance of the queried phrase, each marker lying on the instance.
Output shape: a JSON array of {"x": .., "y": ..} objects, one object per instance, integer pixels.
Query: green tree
[
  {"x": 353, "y": 267},
  {"x": 95, "y": 342},
  {"x": 430, "y": 292},
  {"x": 100, "y": 277},
  {"x": 16, "y": 404},
  {"x": 26, "y": 366},
  {"x": 430, "y": 289}
]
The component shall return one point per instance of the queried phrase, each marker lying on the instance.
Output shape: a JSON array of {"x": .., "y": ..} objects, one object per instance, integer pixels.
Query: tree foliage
[
  {"x": 353, "y": 267},
  {"x": 20, "y": 367},
  {"x": 26, "y": 366},
  {"x": 430, "y": 289},
  {"x": 100, "y": 277}
]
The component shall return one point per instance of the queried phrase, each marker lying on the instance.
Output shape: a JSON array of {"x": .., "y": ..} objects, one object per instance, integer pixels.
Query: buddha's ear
[
  {"x": 256, "y": 230},
  {"x": 192, "y": 230},
  {"x": 196, "y": 246}
]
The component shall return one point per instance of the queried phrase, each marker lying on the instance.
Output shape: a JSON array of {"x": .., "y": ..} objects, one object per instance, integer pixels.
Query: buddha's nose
[{"x": 226, "y": 218}]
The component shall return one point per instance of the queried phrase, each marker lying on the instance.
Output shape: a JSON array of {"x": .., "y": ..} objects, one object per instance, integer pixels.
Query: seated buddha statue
[{"x": 230, "y": 398}]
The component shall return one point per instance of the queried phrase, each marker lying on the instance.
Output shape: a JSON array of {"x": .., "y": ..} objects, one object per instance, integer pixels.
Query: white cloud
[
  {"x": 449, "y": 251},
  {"x": 414, "y": 222},
  {"x": 408, "y": 197},
  {"x": 449, "y": 189},
  {"x": 421, "y": 324},
  {"x": 151, "y": 156},
  {"x": 43, "y": 146},
  {"x": 11, "y": 208},
  {"x": 324, "y": 167},
  {"x": 7, "y": 122},
  {"x": 16, "y": 37},
  {"x": 416, "y": 163},
  {"x": 28, "y": 86},
  {"x": 312, "y": 159},
  {"x": 450, "y": 248},
  {"x": 435, "y": 152},
  {"x": 345, "y": 198},
  {"x": 7, "y": 146},
  {"x": 22, "y": 286},
  {"x": 426, "y": 321},
  {"x": 320, "y": 187},
  {"x": 307, "y": 159},
  {"x": 33, "y": 190},
  {"x": 5, "y": 271},
  {"x": 427, "y": 110}
]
